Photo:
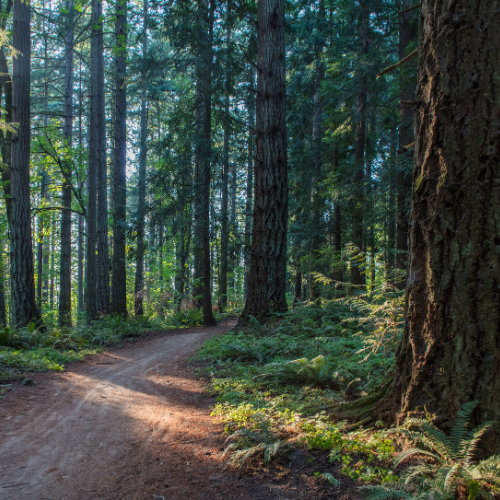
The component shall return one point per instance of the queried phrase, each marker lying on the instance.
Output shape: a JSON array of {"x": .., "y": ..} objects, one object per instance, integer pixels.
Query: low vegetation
[
  {"x": 278, "y": 386},
  {"x": 32, "y": 350}
]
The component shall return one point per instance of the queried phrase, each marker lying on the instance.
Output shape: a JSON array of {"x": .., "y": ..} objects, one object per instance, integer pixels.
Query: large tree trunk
[
  {"x": 119, "y": 284},
  {"x": 449, "y": 352},
  {"x": 408, "y": 32},
  {"x": 141, "y": 188},
  {"x": 65, "y": 264},
  {"x": 267, "y": 277},
  {"x": 24, "y": 308},
  {"x": 224, "y": 238}
]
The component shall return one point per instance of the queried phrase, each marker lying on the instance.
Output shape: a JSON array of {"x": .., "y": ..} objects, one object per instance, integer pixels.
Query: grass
[
  {"x": 30, "y": 350},
  {"x": 277, "y": 384}
]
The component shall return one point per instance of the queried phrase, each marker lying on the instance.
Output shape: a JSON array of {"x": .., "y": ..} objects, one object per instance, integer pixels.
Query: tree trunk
[
  {"x": 203, "y": 162},
  {"x": 357, "y": 274},
  {"x": 408, "y": 32},
  {"x": 102, "y": 264},
  {"x": 249, "y": 204},
  {"x": 224, "y": 238},
  {"x": 119, "y": 284},
  {"x": 65, "y": 263},
  {"x": 24, "y": 308},
  {"x": 81, "y": 229},
  {"x": 3, "y": 308},
  {"x": 449, "y": 352},
  {"x": 141, "y": 188},
  {"x": 267, "y": 277}
]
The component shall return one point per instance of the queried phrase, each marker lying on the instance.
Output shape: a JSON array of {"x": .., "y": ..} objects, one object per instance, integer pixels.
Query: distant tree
[{"x": 119, "y": 276}]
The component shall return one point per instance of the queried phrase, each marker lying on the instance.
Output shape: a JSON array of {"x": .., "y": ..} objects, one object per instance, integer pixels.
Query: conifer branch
[{"x": 409, "y": 57}]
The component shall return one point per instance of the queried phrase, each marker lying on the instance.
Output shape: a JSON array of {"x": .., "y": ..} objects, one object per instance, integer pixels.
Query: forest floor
[{"x": 134, "y": 423}]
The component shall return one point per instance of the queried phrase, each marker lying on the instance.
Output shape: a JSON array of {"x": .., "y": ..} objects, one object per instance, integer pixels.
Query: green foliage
[
  {"x": 278, "y": 382},
  {"x": 446, "y": 463}
]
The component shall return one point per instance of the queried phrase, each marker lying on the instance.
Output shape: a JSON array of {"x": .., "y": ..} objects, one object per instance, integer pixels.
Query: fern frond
[
  {"x": 390, "y": 491},
  {"x": 414, "y": 451},
  {"x": 467, "y": 447},
  {"x": 459, "y": 432}
]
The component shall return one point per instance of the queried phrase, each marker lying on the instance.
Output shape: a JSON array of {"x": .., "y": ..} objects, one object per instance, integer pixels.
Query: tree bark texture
[
  {"x": 141, "y": 188},
  {"x": 408, "y": 33},
  {"x": 119, "y": 277},
  {"x": 24, "y": 308},
  {"x": 65, "y": 261},
  {"x": 449, "y": 354},
  {"x": 267, "y": 277}
]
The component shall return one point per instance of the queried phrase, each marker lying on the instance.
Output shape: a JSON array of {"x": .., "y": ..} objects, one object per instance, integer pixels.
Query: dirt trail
[{"x": 130, "y": 423}]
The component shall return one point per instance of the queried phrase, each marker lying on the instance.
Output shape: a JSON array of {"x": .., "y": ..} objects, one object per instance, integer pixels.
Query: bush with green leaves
[{"x": 446, "y": 463}]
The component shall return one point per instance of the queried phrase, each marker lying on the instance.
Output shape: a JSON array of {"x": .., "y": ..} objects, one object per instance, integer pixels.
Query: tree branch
[{"x": 409, "y": 57}]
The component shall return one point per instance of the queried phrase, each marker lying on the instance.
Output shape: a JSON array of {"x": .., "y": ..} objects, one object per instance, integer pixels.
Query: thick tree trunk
[
  {"x": 79, "y": 300},
  {"x": 249, "y": 197},
  {"x": 119, "y": 284},
  {"x": 449, "y": 352},
  {"x": 141, "y": 188},
  {"x": 65, "y": 263},
  {"x": 408, "y": 32},
  {"x": 24, "y": 308},
  {"x": 267, "y": 277}
]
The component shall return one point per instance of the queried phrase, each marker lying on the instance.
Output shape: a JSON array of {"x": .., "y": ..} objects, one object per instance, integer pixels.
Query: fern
[{"x": 451, "y": 463}]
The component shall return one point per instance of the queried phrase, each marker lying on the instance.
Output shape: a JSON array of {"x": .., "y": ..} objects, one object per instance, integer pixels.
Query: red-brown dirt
[{"x": 130, "y": 423}]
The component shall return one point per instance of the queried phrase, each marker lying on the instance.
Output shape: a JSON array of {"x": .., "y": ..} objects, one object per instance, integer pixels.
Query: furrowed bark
[{"x": 267, "y": 277}]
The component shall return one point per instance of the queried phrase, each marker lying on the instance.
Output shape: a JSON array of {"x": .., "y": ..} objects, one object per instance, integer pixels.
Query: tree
[
  {"x": 65, "y": 264},
  {"x": 448, "y": 353},
  {"x": 267, "y": 276},
  {"x": 119, "y": 276},
  {"x": 141, "y": 192},
  {"x": 203, "y": 158},
  {"x": 408, "y": 32},
  {"x": 24, "y": 308}
]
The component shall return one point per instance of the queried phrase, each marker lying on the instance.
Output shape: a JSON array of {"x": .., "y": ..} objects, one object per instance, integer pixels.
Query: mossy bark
[{"x": 450, "y": 352}]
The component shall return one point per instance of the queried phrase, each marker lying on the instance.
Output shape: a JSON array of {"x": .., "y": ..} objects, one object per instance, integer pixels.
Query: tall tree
[
  {"x": 141, "y": 188},
  {"x": 203, "y": 153},
  {"x": 119, "y": 284},
  {"x": 102, "y": 242},
  {"x": 24, "y": 307},
  {"x": 65, "y": 262},
  {"x": 267, "y": 277},
  {"x": 224, "y": 243},
  {"x": 358, "y": 209},
  {"x": 408, "y": 32},
  {"x": 448, "y": 354}
]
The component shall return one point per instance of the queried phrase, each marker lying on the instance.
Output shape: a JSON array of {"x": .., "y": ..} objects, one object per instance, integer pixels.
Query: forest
[{"x": 323, "y": 176}]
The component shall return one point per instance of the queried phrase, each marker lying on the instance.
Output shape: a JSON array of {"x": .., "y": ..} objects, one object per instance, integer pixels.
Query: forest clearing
[{"x": 250, "y": 249}]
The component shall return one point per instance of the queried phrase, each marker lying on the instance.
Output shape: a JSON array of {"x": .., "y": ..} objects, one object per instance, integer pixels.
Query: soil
[{"x": 134, "y": 423}]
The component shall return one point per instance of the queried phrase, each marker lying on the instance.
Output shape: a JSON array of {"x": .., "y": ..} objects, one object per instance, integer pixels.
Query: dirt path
[{"x": 130, "y": 423}]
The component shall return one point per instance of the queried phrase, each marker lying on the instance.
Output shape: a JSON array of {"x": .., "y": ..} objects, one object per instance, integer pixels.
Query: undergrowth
[
  {"x": 31, "y": 350},
  {"x": 277, "y": 384}
]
